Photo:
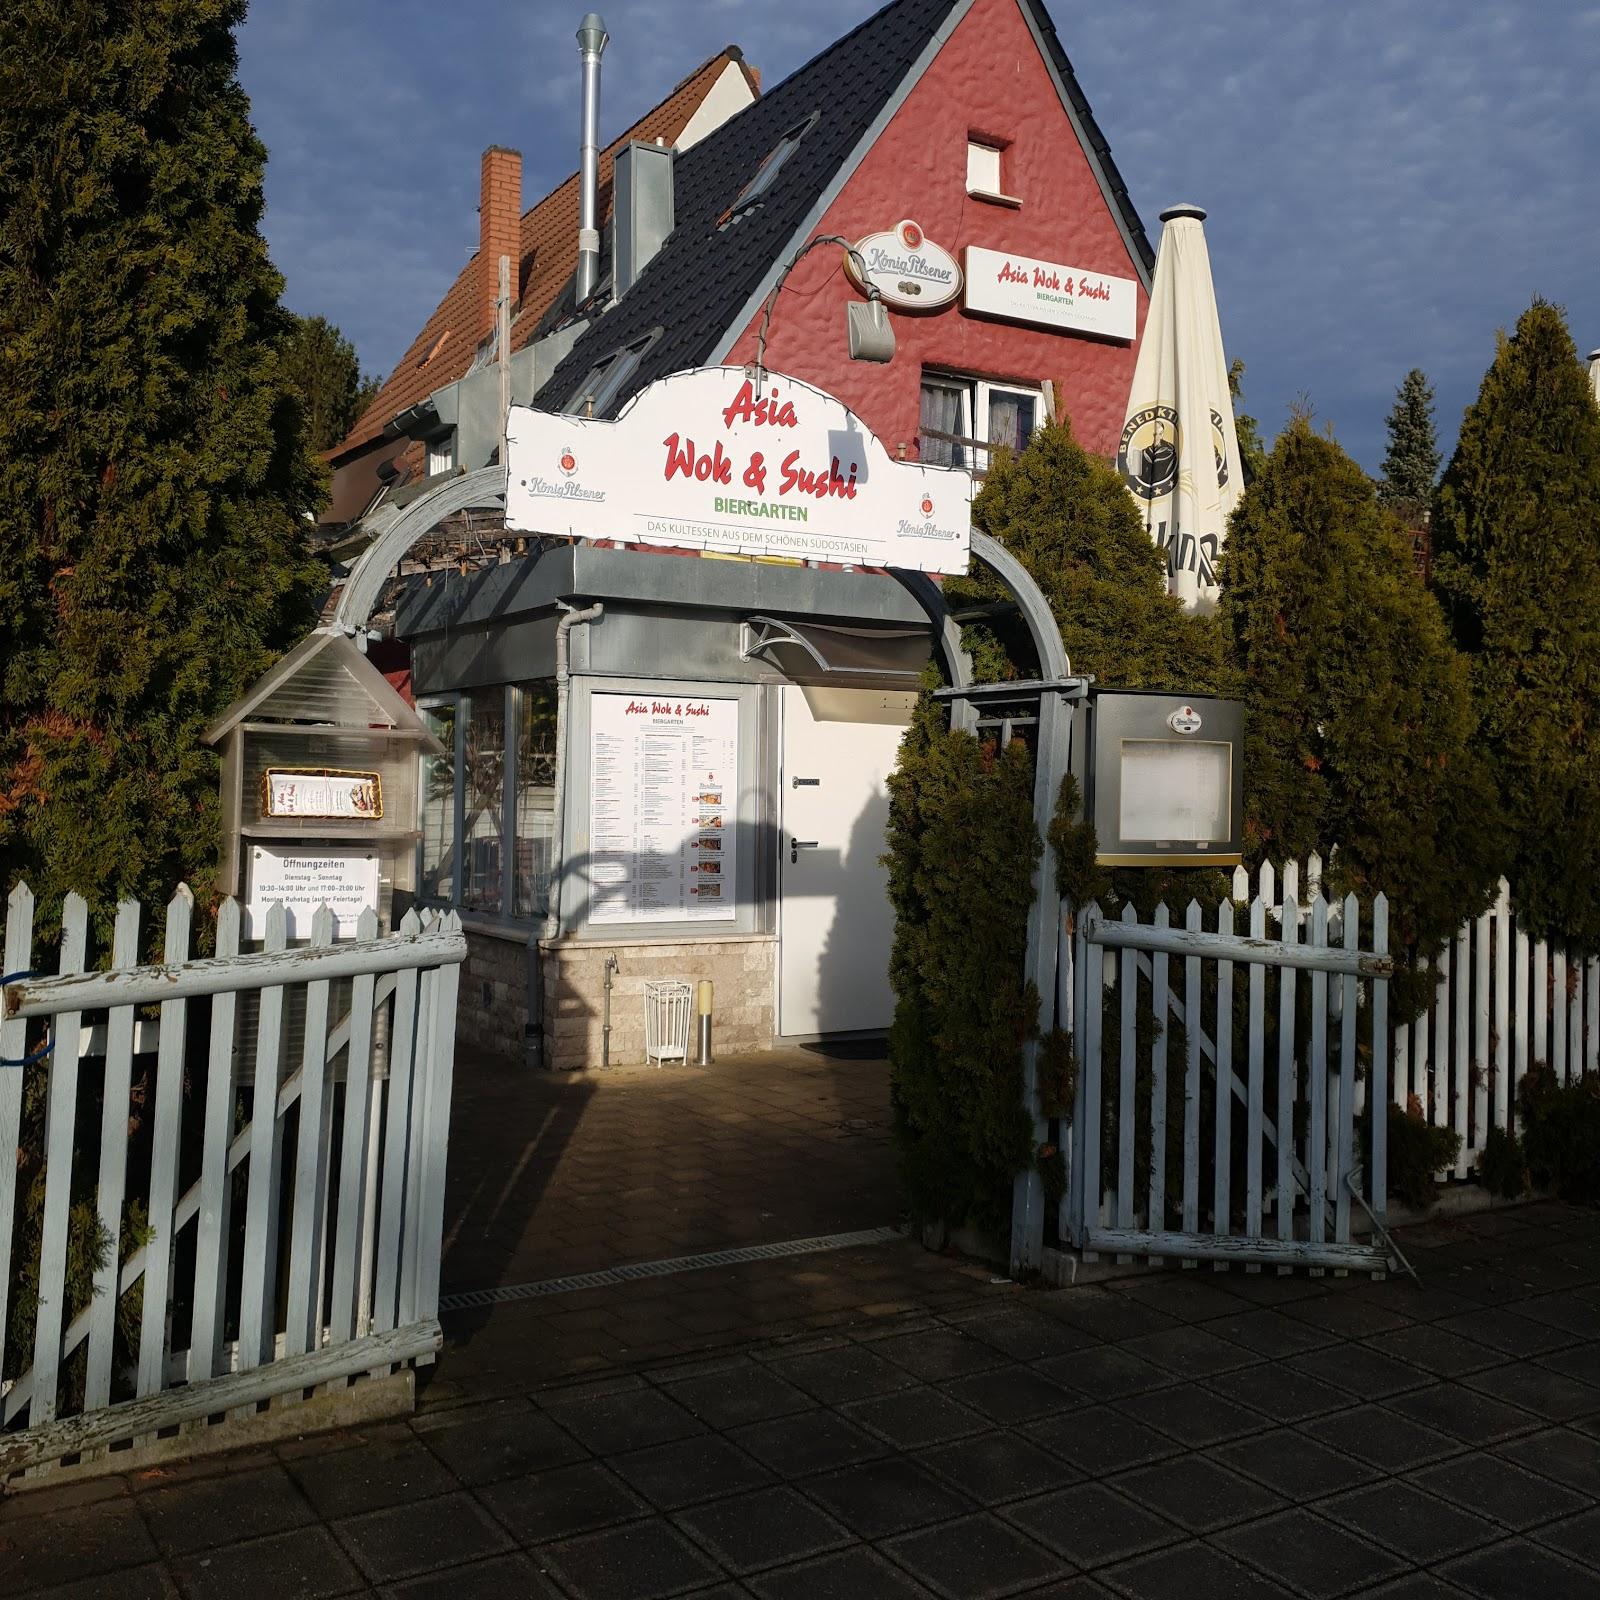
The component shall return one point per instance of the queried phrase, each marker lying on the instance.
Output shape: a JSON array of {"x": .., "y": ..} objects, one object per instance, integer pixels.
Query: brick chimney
[{"x": 499, "y": 228}]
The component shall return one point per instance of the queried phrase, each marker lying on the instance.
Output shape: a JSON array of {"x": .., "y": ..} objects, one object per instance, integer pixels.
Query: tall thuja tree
[
  {"x": 1411, "y": 462},
  {"x": 1068, "y": 518},
  {"x": 153, "y": 476},
  {"x": 1517, "y": 563},
  {"x": 962, "y": 852},
  {"x": 1360, "y": 732},
  {"x": 1252, "y": 452},
  {"x": 322, "y": 367}
]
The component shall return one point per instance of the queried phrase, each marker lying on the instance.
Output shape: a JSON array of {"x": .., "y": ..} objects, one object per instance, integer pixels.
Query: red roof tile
[{"x": 443, "y": 351}]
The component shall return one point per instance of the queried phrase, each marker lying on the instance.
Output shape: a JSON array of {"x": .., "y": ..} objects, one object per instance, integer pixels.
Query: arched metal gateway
[{"x": 655, "y": 586}]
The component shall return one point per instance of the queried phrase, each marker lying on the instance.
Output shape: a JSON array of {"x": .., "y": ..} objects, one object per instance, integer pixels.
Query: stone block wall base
[
  {"x": 495, "y": 1002},
  {"x": 740, "y": 967}
]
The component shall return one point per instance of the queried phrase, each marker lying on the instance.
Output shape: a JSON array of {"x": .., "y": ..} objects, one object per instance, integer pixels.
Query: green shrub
[
  {"x": 962, "y": 853},
  {"x": 1418, "y": 1151},
  {"x": 1561, "y": 1133},
  {"x": 1503, "y": 1166}
]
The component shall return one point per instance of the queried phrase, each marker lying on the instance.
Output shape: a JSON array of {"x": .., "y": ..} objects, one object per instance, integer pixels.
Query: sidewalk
[{"x": 1180, "y": 1434}]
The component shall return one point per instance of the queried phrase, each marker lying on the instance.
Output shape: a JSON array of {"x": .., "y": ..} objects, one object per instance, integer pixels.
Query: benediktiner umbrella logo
[{"x": 1148, "y": 457}]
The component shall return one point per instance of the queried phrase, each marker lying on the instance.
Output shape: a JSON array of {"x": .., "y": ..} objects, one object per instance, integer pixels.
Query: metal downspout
[{"x": 570, "y": 617}]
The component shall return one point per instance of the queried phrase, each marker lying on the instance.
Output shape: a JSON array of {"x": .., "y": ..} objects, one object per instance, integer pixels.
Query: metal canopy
[{"x": 858, "y": 658}]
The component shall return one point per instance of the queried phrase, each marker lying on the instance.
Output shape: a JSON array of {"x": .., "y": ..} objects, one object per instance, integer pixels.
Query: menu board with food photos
[{"x": 663, "y": 794}]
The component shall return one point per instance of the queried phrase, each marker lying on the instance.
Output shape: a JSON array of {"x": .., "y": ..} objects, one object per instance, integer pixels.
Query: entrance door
[{"x": 835, "y": 924}]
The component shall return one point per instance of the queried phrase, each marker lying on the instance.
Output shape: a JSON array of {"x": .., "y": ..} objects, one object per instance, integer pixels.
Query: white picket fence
[
  {"x": 293, "y": 1203},
  {"x": 1503, "y": 1002}
]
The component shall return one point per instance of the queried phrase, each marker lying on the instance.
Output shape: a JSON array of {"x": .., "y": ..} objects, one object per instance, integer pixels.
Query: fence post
[
  {"x": 1378, "y": 1181},
  {"x": 62, "y": 1067},
  {"x": 396, "y": 1156},
  {"x": 18, "y": 957},
  {"x": 258, "y": 1304},
  {"x": 1503, "y": 935},
  {"x": 1349, "y": 1023},
  {"x": 1094, "y": 998},
  {"x": 113, "y": 1166},
  {"x": 441, "y": 1064},
  {"x": 211, "y": 1238},
  {"x": 1317, "y": 1081},
  {"x": 1221, "y": 1200},
  {"x": 1255, "y": 1105},
  {"x": 1157, "y": 1217},
  {"x": 167, "y": 1122},
  {"x": 304, "y": 1319},
  {"x": 1191, "y": 1079},
  {"x": 1287, "y": 1074},
  {"x": 353, "y": 1173}
]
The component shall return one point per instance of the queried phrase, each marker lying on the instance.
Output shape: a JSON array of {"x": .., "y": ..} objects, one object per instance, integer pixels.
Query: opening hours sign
[{"x": 712, "y": 459}]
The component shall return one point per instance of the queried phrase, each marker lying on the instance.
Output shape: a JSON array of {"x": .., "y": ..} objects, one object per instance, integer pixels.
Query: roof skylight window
[
  {"x": 608, "y": 378},
  {"x": 767, "y": 173}
]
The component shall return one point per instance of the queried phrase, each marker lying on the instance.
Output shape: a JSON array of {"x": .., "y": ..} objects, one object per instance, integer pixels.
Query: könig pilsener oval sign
[{"x": 908, "y": 269}]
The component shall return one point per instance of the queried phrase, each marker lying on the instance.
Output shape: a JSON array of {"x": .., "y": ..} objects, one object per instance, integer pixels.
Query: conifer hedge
[
  {"x": 1516, "y": 538},
  {"x": 1360, "y": 730},
  {"x": 962, "y": 847},
  {"x": 153, "y": 479}
]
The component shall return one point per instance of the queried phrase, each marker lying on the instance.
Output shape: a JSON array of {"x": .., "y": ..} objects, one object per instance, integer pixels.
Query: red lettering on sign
[
  {"x": 832, "y": 484},
  {"x": 765, "y": 412},
  {"x": 716, "y": 467}
]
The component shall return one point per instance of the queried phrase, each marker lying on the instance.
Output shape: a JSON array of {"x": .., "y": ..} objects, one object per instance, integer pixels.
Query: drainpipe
[
  {"x": 570, "y": 617},
  {"x": 592, "y": 41}
]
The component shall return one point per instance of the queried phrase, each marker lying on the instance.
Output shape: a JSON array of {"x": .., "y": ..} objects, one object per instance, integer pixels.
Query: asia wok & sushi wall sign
[{"x": 711, "y": 459}]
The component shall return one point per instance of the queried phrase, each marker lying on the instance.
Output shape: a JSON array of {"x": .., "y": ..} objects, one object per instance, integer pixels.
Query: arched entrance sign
[{"x": 394, "y": 533}]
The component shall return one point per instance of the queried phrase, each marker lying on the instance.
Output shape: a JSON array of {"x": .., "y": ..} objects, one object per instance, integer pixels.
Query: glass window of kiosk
[
  {"x": 483, "y": 760},
  {"x": 436, "y": 804},
  {"x": 535, "y": 713},
  {"x": 486, "y": 807}
]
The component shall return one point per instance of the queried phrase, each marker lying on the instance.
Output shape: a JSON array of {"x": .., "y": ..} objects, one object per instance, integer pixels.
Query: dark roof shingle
[{"x": 711, "y": 264}]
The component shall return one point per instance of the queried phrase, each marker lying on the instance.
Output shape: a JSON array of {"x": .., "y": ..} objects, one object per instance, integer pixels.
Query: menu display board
[{"x": 663, "y": 791}]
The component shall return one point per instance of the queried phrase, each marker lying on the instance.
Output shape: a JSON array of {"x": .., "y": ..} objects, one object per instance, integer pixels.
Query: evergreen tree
[
  {"x": 153, "y": 479},
  {"x": 1517, "y": 562},
  {"x": 1252, "y": 452},
  {"x": 1360, "y": 729},
  {"x": 1068, "y": 517},
  {"x": 322, "y": 367},
  {"x": 962, "y": 850},
  {"x": 1411, "y": 464}
]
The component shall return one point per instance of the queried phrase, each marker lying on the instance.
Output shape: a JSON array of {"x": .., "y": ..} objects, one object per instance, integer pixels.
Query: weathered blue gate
[
  {"x": 1226, "y": 1109},
  {"x": 288, "y": 1245}
]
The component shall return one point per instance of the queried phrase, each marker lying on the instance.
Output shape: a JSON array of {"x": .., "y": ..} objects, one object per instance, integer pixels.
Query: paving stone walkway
[{"x": 1179, "y": 1434}]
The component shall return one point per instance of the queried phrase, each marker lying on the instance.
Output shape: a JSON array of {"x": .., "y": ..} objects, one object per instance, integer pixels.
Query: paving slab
[{"x": 881, "y": 1421}]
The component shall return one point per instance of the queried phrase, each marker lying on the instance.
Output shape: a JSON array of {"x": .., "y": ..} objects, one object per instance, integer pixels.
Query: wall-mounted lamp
[{"x": 867, "y": 326}]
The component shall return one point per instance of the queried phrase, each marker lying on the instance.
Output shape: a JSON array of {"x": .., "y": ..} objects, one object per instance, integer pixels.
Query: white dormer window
[
  {"x": 442, "y": 454},
  {"x": 986, "y": 174}
]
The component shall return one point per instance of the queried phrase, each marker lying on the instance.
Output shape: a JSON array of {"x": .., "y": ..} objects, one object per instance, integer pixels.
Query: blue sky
[{"x": 1389, "y": 181}]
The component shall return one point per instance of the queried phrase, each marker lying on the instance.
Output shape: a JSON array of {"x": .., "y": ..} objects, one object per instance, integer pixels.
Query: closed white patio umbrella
[{"x": 1179, "y": 453}]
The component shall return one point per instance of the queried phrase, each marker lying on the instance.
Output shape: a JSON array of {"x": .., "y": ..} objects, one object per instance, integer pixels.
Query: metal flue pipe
[{"x": 592, "y": 40}]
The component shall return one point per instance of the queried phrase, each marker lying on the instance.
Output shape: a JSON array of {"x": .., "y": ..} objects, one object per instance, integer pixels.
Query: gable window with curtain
[{"x": 964, "y": 419}]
